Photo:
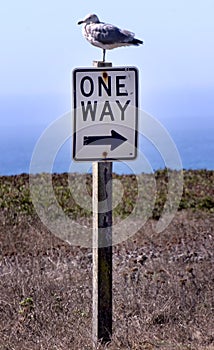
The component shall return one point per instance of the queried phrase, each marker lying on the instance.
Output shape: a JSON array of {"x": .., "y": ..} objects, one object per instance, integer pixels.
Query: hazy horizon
[{"x": 42, "y": 43}]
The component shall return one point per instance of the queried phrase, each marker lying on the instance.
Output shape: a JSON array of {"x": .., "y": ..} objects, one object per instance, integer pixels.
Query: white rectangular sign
[{"x": 105, "y": 103}]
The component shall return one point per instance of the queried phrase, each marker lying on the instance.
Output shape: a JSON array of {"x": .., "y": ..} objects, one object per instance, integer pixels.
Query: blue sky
[{"x": 41, "y": 43}]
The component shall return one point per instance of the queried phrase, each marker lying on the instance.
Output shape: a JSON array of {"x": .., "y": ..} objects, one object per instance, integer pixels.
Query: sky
[{"x": 41, "y": 44}]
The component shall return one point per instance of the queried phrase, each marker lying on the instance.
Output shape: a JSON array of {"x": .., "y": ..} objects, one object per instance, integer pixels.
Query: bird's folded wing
[{"x": 109, "y": 34}]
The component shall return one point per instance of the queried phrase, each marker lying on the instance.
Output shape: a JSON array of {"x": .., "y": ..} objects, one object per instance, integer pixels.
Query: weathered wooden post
[
  {"x": 104, "y": 130},
  {"x": 102, "y": 247}
]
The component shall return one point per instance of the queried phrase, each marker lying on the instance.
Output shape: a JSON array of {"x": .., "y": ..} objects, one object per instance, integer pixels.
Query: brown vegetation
[{"x": 163, "y": 283}]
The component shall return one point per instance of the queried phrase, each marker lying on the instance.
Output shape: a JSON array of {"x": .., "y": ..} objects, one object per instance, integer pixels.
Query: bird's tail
[{"x": 136, "y": 42}]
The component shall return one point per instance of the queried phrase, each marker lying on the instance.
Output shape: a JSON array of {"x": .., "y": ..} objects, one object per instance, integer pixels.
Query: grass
[
  {"x": 163, "y": 282},
  {"x": 15, "y": 199}
]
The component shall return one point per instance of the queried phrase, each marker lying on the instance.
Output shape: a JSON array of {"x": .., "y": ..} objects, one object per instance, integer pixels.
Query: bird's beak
[{"x": 80, "y": 22}]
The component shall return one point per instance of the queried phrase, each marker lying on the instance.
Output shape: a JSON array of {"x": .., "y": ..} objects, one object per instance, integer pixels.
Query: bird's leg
[{"x": 104, "y": 55}]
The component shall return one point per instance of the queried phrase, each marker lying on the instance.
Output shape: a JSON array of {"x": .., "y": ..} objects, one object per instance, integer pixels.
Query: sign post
[
  {"x": 102, "y": 251},
  {"x": 105, "y": 129}
]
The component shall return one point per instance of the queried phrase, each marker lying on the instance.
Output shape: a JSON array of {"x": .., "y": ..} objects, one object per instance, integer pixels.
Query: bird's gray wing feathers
[{"x": 109, "y": 34}]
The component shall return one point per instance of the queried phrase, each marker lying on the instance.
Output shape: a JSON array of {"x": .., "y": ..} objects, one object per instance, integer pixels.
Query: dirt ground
[{"x": 163, "y": 295}]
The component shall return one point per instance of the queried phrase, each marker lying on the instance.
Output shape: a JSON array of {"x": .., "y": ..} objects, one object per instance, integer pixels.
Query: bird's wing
[{"x": 109, "y": 34}]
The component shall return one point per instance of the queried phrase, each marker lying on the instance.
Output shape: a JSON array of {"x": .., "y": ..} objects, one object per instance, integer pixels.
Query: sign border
[{"x": 106, "y": 69}]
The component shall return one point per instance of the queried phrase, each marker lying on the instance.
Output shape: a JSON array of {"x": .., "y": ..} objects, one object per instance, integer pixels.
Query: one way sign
[{"x": 105, "y": 102}]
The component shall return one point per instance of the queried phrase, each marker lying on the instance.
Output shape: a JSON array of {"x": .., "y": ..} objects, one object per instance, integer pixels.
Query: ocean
[{"x": 195, "y": 146}]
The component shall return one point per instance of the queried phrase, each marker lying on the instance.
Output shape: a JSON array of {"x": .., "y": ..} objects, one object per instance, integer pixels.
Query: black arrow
[{"x": 115, "y": 140}]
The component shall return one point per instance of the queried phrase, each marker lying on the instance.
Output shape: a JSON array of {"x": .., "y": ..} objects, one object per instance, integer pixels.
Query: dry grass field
[{"x": 163, "y": 295}]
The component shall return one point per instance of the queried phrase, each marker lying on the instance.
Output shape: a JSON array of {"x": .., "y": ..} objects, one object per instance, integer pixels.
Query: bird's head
[{"x": 91, "y": 18}]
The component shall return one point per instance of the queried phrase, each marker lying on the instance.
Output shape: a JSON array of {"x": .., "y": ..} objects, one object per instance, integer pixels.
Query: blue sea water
[{"x": 195, "y": 146}]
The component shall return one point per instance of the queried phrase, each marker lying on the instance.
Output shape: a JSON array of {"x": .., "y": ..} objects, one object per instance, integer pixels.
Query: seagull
[{"x": 106, "y": 36}]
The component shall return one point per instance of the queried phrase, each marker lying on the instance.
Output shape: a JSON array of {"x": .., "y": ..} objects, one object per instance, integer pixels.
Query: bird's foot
[{"x": 104, "y": 55}]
